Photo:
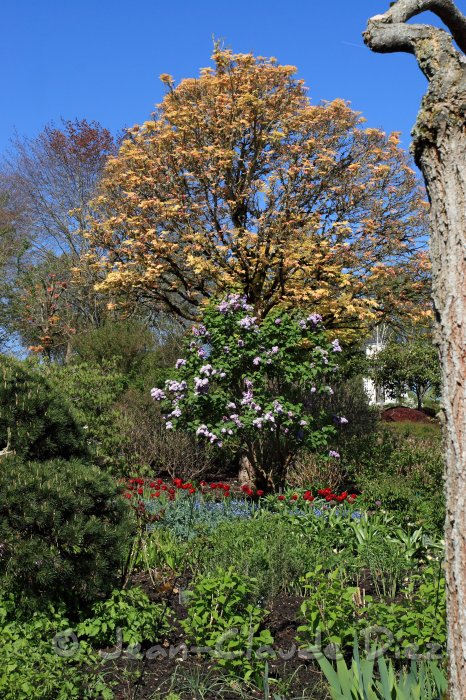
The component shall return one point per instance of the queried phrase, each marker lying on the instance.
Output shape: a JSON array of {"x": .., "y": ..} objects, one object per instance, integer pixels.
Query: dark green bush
[
  {"x": 35, "y": 419},
  {"x": 64, "y": 530}
]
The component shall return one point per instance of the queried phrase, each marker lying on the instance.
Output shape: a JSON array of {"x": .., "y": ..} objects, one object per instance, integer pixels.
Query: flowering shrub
[{"x": 251, "y": 385}]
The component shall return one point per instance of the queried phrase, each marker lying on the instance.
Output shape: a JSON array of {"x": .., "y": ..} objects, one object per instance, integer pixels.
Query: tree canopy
[{"x": 239, "y": 182}]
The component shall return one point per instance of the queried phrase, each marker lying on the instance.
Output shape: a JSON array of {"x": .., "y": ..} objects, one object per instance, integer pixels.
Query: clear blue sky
[{"x": 101, "y": 59}]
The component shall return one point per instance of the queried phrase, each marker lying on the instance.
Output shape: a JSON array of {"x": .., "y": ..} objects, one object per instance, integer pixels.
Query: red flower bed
[{"x": 155, "y": 488}]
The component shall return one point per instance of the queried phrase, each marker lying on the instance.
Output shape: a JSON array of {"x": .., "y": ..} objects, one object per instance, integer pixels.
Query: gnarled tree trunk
[{"x": 439, "y": 147}]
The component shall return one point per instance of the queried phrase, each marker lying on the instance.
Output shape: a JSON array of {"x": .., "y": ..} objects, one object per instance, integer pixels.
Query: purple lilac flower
[
  {"x": 336, "y": 346},
  {"x": 303, "y": 422},
  {"x": 274, "y": 349},
  {"x": 257, "y": 423},
  {"x": 235, "y": 418},
  {"x": 169, "y": 425},
  {"x": 314, "y": 319},
  {"x": 234, "y": 302},
  {"x": 303, "y": 324},
  {"x": 333, "y": 453},
  {"x": 278, "y": 408},
  {"x": 176, "y": 413},
  {"x": 157, "y": 394},
  {"x": 247, "y": 397},
  {"x": 256, "y": 361},
  {"x": 206, "y": 369},
  {"x": 240, "y": 343},
  {"x": 201, "y": 385},
  {"x": 231, "y": 405},
  {"x": 174, "y": 386},
  {"x": 247, "y": 321},
  {"x": 278, "y": 321},
  {"x": 180, "y": 363}
]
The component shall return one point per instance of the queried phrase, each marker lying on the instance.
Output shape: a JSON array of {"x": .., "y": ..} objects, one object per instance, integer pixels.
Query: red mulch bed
[{"x": 401, "y": 414}]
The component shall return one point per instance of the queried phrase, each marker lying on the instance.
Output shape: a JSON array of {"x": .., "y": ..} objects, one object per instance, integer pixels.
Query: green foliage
[
  {"x": 129, "y": 610},
  {"x": 252, "y": 385},
  {"x": 94, "y": 392},
  {"x": 31, "y": 668},
  {"x": 335, "y": 612},
  {"x": 332, "y": 611},
  {"x": 38, "y": 419},
  {"x": 400, "y": 469},
  {"x": 412, "y": 365},
  {"x": 64, "y": 529},
  {"x": 266, "y": 548},
  {"x": 123, "y": 344},
  {"x": 223, "y": 618},
  {"x": 359, "y": 682}
]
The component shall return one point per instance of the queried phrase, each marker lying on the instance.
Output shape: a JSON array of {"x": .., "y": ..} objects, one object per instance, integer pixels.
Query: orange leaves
[{"x": 238, "y": 181}]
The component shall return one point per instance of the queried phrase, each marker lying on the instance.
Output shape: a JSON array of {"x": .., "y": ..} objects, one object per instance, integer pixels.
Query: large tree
[
  {"x": 239, "y": 182},
  {"x": 48, "y": 184},
  {"x": 439, "y": 147}
]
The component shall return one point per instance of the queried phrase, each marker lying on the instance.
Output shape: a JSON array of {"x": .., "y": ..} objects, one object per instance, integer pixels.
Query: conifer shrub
[
  {"x": 36, "y": 422},
  {"x": 64, "y": 531}
]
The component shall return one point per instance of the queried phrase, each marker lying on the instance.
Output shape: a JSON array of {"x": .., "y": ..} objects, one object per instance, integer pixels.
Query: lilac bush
[{"x": 252, "y": 386}]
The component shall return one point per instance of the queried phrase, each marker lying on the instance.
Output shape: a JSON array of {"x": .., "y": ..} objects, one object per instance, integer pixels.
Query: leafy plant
[
  {"x": 265, "y": 548},
  {"x": 39, "y": 661},
  {"x": 223, "y": 619},
  {"x": 335, "y": 611},
  {"x": 128, "y": 610},
  {"x": 94, "y": 392}
]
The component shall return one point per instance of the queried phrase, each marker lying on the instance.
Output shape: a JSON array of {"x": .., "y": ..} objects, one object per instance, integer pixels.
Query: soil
[{"x": 402, "y": 414}]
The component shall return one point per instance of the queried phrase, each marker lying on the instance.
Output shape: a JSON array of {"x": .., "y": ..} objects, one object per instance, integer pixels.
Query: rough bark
[{"x": 439, "y": 147}]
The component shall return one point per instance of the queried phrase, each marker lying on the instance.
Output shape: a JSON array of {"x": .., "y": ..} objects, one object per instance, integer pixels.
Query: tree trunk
[
  {"x": 439, "y": 148},
  {"x": 445, "y": 172}
]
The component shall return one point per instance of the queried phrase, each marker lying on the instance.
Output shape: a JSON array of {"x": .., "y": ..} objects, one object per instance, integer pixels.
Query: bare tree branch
[
  {"x": 433, "y": 48},
  {"x": 446, "y": 10}
]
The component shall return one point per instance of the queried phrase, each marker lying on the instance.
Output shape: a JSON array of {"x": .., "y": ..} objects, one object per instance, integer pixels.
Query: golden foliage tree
[{"x": 239, "y": 182}]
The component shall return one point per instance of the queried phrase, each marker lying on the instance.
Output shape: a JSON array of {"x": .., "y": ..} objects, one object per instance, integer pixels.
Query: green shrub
[
  {"x": 223, "y": 618},
  {"x": 406, "y": 500},
  {"x": 129, "y": 610},
  {"x": 31, "y": 668},
  {"x": 401, "y": 470},
  {"x": 37, "y": 421},
  {"x": 94, "y": 392},
  {"x": 64, "y": 530},
  {"x": 123, "y": 343}
]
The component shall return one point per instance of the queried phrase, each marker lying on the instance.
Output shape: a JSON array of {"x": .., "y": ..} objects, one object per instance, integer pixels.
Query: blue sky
[{"x": 101, "y": 60}]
